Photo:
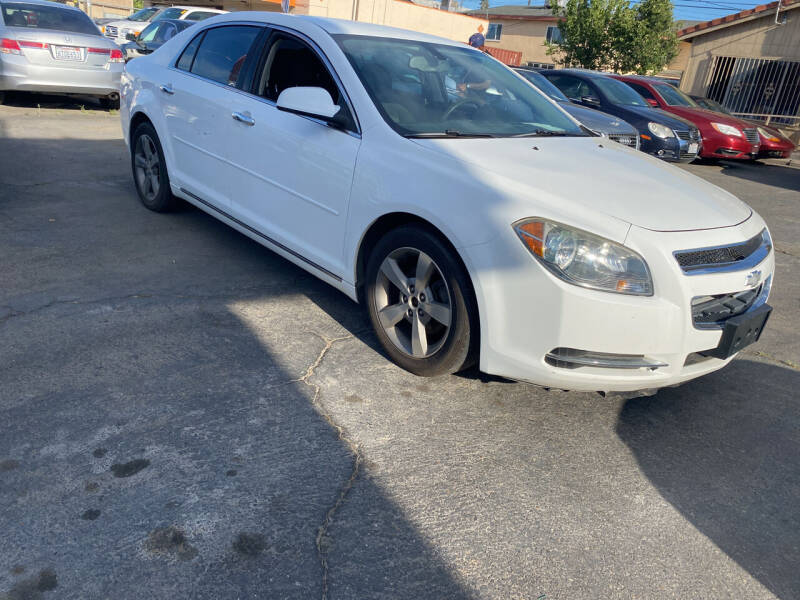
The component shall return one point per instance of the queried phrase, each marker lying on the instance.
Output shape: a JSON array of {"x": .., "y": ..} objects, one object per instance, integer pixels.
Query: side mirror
[
  {"x": 130, "y": 36},
  {"x": 313, "y": 102},
  {"x": 652, "y": 102},
  {"x": 590, "y": 100}
]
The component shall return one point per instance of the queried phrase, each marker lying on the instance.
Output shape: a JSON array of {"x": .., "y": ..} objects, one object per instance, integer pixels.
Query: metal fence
[{"x": 757, "y": 88}]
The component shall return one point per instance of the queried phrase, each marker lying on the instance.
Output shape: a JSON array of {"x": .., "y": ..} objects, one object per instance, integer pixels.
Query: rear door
[
  {"x": 197, "y": 95},
  {"x": 293, "y": 173}
]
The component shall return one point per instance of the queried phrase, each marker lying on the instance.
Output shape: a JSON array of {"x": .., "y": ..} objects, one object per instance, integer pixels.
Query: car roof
[
  {"x": 203, "y": 8},
  {"x": 579, "y": 72},
  {"x": 337, "y": 26},
  {"x": 42, "y": 3}
]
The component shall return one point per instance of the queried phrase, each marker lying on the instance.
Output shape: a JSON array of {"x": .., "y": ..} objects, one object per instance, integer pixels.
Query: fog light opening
[{"x": 572, "y": 358}]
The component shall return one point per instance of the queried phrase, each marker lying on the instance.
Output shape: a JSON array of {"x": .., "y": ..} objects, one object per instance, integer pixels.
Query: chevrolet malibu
[{"x": 475, "y": 220}]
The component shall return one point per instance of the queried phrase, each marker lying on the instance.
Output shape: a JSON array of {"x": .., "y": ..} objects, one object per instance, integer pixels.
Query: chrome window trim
[
  {"x": 756, "y": 258},
  {"x": 294, "y": 32}
]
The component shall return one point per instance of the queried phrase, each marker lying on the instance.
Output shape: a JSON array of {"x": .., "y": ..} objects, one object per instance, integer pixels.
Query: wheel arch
[
  {"x": 389, "y": 221},
  {"x": 137, "y": 119}
]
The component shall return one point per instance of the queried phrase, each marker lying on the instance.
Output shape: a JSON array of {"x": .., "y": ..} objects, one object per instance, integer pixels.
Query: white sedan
[{"x": 474, "y": 219}]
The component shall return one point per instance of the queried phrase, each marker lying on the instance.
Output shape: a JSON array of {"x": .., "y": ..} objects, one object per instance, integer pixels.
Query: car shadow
[
  {"x": 156, "y": 441},
  {"x": 775, "y": 175},
  {"x": 723, "y": 450},
  {"x": 52, "y": 101}
]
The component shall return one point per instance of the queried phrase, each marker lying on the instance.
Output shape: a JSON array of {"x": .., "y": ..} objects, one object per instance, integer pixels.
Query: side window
[
  {"x": 290, "y": 62},
  {"x": 165, "y": 32},
  {"x": 572, "y": 86},
  {"x": 222, "y": 53},
  {"x": 149, "y": 34},
  {"x": 641, "y": 90},
  {"x": 187, "y": 58},
  {"x": 553, "y": 35}
]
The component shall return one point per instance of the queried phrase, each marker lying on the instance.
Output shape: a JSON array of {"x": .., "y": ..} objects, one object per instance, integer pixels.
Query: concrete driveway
[{"x": 187, "y": 415}]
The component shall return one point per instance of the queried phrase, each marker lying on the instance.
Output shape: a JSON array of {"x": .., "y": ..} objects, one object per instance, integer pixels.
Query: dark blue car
[{"x": 662, "y": 134}]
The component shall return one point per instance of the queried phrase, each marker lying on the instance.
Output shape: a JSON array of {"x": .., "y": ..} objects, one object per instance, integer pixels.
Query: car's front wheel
[
  {"x": 150, "y": 169},
  {"x": 420, "y": 302}
]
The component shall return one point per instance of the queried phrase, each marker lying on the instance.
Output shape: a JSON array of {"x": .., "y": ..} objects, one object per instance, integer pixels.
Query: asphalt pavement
[{"x": 184, "y": 414}]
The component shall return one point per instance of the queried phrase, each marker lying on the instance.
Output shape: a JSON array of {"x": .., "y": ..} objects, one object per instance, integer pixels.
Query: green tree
[
  {"x": 610, "y": 34},
  {"x": 484, "y": 4}
]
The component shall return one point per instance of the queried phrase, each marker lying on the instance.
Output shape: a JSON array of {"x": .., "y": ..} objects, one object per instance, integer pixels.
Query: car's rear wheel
[
  {"x": 150, "y": 170},
  {"x": 420, "y": 302},
  {"x": 110, "y": 102}
]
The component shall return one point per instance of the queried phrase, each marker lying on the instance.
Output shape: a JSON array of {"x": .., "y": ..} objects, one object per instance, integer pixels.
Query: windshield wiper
[
  {"x": 448, "y": 133},
  {"x": 543, "y": 133}
]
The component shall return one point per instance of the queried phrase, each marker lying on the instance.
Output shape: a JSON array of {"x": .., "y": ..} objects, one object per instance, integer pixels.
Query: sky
[{"x": 697, "y": 10}]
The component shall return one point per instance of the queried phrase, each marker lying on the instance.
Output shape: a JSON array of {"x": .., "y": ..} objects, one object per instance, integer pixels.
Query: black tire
[
  {"x": 162, "y": 200},
  {"x": 456, "y": 348},
  {"x": 109, "y": 102}
]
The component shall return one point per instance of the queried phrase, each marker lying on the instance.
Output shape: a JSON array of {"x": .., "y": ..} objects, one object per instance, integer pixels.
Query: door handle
[
  {"x": 249, "y": 121},
  {"x": 167, "y": 89}
]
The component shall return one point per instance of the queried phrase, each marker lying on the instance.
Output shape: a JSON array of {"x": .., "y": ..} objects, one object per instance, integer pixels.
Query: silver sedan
[{"x": 50, "y": 47}]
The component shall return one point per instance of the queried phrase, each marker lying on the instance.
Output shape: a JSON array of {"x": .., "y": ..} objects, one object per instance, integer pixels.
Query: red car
[
  {"x": 723, "y": 136},
  {"x": 773, "y": 143}
]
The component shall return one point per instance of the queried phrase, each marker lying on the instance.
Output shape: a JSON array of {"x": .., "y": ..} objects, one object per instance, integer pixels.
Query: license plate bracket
[
  {"x": 67, "y": 53},
  {"x": 741, "y": 331},
  {"x": 693, "y": 148}
]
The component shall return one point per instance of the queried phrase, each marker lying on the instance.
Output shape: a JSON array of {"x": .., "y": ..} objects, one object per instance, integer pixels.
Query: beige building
[
  {"x": 523, "y": 29},
  {"x": 748, "y": 61}
]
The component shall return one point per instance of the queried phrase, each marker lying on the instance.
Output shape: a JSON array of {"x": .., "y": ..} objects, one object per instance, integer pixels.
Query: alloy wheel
[
  {"x": 147, "y": 167},
  {"x": 413, "y": 302}
]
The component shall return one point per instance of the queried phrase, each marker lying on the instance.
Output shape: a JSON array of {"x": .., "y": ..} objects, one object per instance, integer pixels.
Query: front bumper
[
  {"x": 18, "y": 74},
  {"x": 526, "y": 313},
  {"x": 671, "y": 149},
  {"x": 728, "y": 147}
]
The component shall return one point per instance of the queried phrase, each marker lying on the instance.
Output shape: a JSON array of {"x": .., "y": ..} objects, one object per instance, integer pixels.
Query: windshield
[
  {"x": 425, "y": 89},
  {"x": 41, "y": 16},
  {"x": 544, "y": 85},
  {"x": 618, "y": 93},
  {"x": 710, "y": 104},
  {"x": 673, "y": 96},
  {"x": 170, "y": 13},
  {"x": 143, "y": 15}
]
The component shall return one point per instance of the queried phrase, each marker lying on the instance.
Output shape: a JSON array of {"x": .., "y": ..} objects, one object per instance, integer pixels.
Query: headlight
[
  {"x": 659, "y": 130},
  {"x": 727, "y": 129},
  {"x": 585, "y": 259},
  {"x": 769, "y": 135}
]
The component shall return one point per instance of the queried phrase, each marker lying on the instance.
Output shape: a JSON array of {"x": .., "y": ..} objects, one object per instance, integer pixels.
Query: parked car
[
  {"x": 119, "y": 30},
  {"x": 51, "y": 47},
  {"x": 152, "y": 37},
  {"x": 723, "y": 136},
  {"x": 474, "y": 219},
  {"x": 773, "y": 143},
  {"x": 612, "y": 127},
  {"x": 662, "y": 134},
  {"x": 144, "y": 15}
]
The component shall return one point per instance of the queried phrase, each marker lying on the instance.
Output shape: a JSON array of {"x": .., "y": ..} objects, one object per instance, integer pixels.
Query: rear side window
[
  {"x": 222, "y": 53},
  {"x": 642, "y": 91},
  {"x": 571, "y": 86},
  {"x": 40, "y": 16},
  {"x": 187, "y": 58}
]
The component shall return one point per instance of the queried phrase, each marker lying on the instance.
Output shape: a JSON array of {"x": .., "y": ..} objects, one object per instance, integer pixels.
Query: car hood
[
  {"x": 611, "y": 179},
  {"x": 597, "y": 120},
  {"x": 659, "y": 116},
  {"x": 704, "y": 115}
]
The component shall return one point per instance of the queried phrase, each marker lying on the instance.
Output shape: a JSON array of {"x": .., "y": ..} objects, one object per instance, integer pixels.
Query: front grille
[
  {"x": 111, "y": 31},
  {"x": 688, "y": 154},
  {"x": 751, "y": 135},
  {"x": 626, "y": 139},
  {"x": 712, "y": 311},
  {"x": 692, "y": 135},
  {"x": 691, "y": 260}
]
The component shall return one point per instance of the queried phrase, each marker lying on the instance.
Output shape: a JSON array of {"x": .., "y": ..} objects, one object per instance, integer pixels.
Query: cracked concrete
[{"x": 287, "y": 458}]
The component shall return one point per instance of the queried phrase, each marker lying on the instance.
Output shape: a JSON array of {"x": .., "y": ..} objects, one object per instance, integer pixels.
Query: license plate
[
  {"x": 693, "y": 148},
  {"x": 67, "y": 53},
  {"x": 741, "y": 331}
]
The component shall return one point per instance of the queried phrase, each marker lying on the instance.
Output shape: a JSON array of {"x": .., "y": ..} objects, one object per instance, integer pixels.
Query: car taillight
[
  {"x": 116, "y": 56},
  {"x": 98, "y": 50},
  {"x": 38, "y": 45},
  {"x": 8, "y": 46}
]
